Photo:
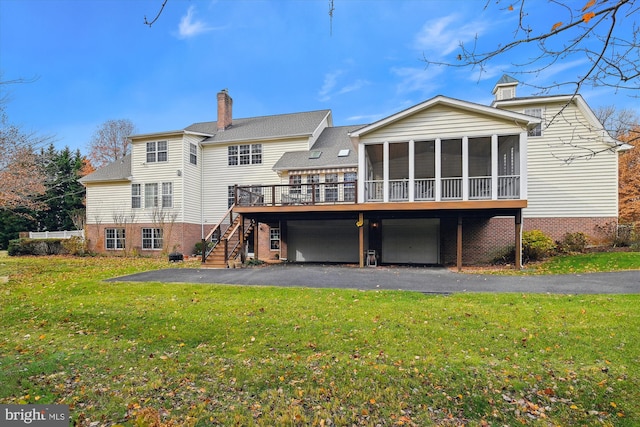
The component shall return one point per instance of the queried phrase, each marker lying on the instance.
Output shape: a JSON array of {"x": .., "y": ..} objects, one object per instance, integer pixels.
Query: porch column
[
  {"x": 412, "y": 171},
  {"x": 438, "y": 169},
  {"x": 385, "y": 171},
  {"x": 256, "y": 240},
  {"x": 360, "y": 225},
  {"x": 362, "y": 172},
  {"x": 523, "y": 165},
  {"x": 494, "y": 167},
  {"x": 465, "y": 168},
  {"x": 518, "y": 236},
  {"x": 459, "y": 244}
]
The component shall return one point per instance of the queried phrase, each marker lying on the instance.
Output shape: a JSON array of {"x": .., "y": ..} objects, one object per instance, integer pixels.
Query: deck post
[
  {"x": 459, "y": 245},
  {"x": 243, "y": 255},
  {"x": 360, "y": 225},
  {"x": 518, "y": 240}
]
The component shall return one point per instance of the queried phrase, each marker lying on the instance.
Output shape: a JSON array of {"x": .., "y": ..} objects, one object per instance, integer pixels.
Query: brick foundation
[
  {"x": 182, "y": 237},
  {"x": 484, "y": 239}
]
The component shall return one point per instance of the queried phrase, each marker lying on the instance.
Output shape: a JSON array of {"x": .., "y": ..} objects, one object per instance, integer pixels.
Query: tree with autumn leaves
[{"x": 629, "y": 178}]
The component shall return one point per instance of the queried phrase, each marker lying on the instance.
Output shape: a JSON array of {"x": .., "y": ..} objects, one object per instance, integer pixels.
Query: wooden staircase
[{"x": 223, "y": 242}]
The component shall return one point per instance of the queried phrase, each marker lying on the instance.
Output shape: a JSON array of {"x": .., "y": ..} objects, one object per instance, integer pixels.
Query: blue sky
[{"x": 95, "y": 60}]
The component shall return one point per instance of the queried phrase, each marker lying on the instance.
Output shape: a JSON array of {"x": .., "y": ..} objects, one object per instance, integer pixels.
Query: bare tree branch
[{"x": 164, "y": 3}]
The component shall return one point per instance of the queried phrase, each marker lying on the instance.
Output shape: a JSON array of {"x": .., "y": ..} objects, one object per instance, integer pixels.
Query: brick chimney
[{"x": 225, "y": 105}]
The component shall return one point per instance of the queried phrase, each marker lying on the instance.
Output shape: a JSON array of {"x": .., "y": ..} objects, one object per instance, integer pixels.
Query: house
[{"x": 445, "y": 181}]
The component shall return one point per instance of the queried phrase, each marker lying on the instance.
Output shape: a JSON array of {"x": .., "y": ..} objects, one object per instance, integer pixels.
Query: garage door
[
  {"x": 322, "y": 241},
  {"x": 414, "y": 241}
]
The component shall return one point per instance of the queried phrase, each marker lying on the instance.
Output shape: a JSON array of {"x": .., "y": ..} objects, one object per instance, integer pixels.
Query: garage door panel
[
  {"x": 414, "y": 241},
  {"x": 322, "y": 241}
]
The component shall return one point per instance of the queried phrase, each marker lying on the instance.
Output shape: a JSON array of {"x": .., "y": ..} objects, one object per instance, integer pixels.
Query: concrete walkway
[{"x": 426, "y": 280}]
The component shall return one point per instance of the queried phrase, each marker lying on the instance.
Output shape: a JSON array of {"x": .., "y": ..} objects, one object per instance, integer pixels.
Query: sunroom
[{"x": 444, "y": 150}]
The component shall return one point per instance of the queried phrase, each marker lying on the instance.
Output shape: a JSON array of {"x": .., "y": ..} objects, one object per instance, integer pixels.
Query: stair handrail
[{"x": 205, "y": 250}]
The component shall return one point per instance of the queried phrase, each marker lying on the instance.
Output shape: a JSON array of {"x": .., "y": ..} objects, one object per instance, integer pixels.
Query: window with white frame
[
  {"x": 331, "y": 187},
  {"x": 295, "y": 181},
  {"x": 274, "y": 238},
  {"x": 167, "y": 195},
  {"x": 231, "y": 195},
  {"x": 157, "y": 151},
  {"x": 350, "y": 186},
  {"x": 151, "y": 195},
  {"x": 136, "y": 196},
  {"x": 193, "y": 154},
  {"x": 535, "y": 112},
  {"x": 114, "y": 238},
  {"x": 152, "y": 238},
  {"x": 245, "y": 154},
  {"x": 313, "y": 189}
]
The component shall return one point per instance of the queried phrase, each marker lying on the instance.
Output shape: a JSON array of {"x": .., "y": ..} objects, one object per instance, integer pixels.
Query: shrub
[
  {"x": 536, "y": 245},
  {"x": 572, "y": 243},
  {"x": 75, "y": 246},
  {"x": 36, "y": 247}
]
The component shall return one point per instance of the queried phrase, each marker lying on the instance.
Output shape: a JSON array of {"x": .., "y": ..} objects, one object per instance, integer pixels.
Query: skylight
[
  {"x": 315, "y": 154},
  {"x": 343, "y": 153}
]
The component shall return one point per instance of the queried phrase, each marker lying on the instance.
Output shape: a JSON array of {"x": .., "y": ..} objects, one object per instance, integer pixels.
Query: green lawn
[{"x": 147, "y": 354}]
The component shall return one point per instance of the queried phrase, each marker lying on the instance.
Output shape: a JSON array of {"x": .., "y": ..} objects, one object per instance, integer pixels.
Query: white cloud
[
  {"x": 423, "y": 80},
  {"x": 330, "y": 86},
  {"x": 191, "y": 27},
  {"x": 330, "y": 81},
  {"x": 444, "y": 35}
]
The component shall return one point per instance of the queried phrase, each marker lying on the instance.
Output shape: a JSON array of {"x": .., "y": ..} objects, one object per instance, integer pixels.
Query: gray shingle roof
[
  {"x": 120, "y": 170},
  {"x": 329, "y": 143},
  {"x": 265, "y": 127}
]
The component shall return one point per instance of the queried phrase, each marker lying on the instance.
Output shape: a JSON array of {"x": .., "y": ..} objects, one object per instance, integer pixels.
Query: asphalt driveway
[{"x": 426, "y": 280}]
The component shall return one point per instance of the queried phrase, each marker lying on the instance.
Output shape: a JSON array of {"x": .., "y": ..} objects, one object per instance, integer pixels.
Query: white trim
[
  {"x": 450, "y": 102},
  {"x": 523, "y": 165}
]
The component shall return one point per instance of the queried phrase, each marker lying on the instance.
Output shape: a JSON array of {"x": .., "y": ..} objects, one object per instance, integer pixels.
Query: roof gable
[{"x": 449, "y": 103}]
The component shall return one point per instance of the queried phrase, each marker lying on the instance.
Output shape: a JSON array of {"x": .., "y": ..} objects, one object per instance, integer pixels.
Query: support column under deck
[
  {"x": 360, "y": 225},
  {"x": 518, "y": 240},
  {"x": 459, "y": 245}
]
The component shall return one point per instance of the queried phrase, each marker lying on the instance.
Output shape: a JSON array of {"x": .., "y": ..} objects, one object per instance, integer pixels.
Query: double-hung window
[
  {"x": 151, "y": 195},
  {"x": 136, "y": 196},
  {"x": 157, "y": 151},
  {"x": 274, "y": 238},
  {"x": 167, "y": 195},
  {"x": 193, "y": 154},
  {"x": 114, "y": 238},
  {"x": 245, "y": 154},
  {"x": 152, "y": 238}
]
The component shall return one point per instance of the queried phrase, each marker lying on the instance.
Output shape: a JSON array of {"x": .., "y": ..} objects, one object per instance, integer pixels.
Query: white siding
[
  {"x": 584, "y": 187},
  {"x": 218, "y": 175},
  {"x": 441, "y": 122},
  {"x": 191, "y": 178},
  {"x": 159, "y": 172},
  {"x": 105, "y": 200}
]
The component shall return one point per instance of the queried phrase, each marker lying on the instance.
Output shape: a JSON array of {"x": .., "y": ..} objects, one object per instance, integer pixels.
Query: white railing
[
  {"x": 425, "y": 189},
  {"x": 56, "y": 234},
  {"x": 398, "y": 190},
  {"x": 451, "y": 188},
  {"x": 480, "y": 188},
  {"x": 374, "y": 190},
  {"x": 509, "y": 187}
]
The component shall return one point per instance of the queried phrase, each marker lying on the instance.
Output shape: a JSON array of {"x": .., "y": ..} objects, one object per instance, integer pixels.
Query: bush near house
[{"x": 25, "y": 246}]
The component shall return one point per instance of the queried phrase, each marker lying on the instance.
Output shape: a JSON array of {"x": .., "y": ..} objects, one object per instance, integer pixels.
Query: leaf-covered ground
[{"x": 177, "y": 354}]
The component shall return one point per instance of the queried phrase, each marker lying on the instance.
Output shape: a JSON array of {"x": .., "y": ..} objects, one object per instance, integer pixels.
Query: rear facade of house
[{"x": 444, "y": 182}]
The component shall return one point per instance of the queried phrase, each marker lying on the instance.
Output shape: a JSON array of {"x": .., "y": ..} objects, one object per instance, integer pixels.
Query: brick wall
[
  {"x": 484, "y": 239},
  {"x": 180, "y": 235}
]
